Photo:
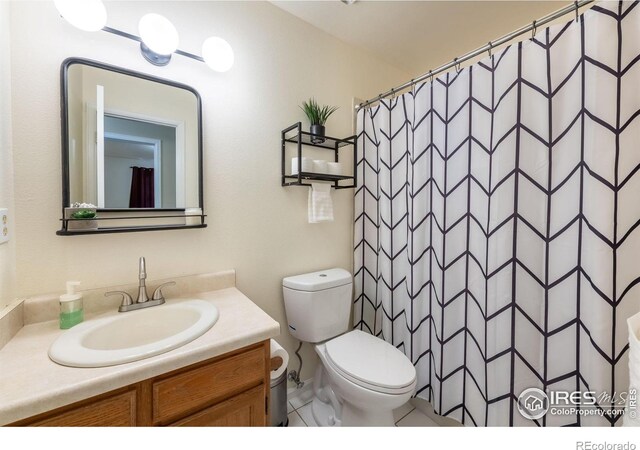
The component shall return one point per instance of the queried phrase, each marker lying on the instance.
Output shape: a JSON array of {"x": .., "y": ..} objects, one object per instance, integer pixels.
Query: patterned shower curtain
[{"x": 496, "y": 225}]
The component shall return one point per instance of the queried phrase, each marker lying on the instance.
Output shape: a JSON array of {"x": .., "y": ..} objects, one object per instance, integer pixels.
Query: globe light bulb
[
  {"x": 217, "y": 54},
  {"x": 158, "y": 34},
  {"x": 87, "y": 15}
]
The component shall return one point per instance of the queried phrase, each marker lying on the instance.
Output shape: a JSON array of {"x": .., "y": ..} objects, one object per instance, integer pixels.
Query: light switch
[{"x": 4, "y": 225}]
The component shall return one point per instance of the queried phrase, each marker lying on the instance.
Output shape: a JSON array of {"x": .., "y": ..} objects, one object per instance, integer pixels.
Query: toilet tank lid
[{"x": 318, "y": 281}]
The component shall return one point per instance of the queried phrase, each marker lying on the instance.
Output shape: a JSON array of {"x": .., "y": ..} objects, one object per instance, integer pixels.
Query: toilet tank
[{"x": 318, "y": 304}]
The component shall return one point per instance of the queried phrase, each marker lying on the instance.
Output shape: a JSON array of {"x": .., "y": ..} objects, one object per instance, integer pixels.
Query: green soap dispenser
[{"x": 71, "y": 312}]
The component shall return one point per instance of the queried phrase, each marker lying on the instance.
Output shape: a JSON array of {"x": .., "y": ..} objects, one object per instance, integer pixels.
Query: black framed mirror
[{"x": 131, "y": 151}]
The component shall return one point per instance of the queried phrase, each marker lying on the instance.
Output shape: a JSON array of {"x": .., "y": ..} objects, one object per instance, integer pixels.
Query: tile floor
[{"x": 300, "y": 415}]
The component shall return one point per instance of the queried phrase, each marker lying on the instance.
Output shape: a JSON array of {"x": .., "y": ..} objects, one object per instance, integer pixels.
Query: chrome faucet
[
  {"x": 143, "y": 300},
  {"x": 142, "y": 287}
]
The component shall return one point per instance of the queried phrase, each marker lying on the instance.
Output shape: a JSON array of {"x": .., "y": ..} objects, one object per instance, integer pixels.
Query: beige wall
[
  {"x": 7, "y": 251},
  {"x": 255, "y": 225}
]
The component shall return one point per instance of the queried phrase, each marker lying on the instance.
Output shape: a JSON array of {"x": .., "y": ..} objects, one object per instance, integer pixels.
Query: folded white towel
[{"x": 320, "y": 203}]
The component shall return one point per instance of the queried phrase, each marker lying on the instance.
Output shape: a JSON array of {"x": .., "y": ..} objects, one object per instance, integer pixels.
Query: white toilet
[{"x": 362, "y": 378}]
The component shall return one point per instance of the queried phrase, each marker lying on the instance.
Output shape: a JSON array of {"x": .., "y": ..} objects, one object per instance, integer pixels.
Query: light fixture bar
[
  {"x": 133, "y": 37},
  {"x": 124, "y": 34},
  {"x": 189, "y": 55}
]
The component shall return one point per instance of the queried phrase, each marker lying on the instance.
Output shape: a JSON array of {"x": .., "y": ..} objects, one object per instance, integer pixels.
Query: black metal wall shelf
[
  {"x": 312, "y": 139},
  {"x": 295, "y": 135},
  {"x": 68, "y": 231}
]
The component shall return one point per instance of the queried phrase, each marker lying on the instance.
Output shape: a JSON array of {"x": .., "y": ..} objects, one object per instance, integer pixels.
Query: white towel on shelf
[{"x": 320, "y": 203}]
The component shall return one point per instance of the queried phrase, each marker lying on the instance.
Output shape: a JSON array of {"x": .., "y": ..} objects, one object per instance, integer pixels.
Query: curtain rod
[{"x": 485, "y": 48}]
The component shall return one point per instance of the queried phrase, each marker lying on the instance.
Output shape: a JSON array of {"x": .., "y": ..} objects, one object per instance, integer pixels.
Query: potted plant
[{"x": 317, "y": 116}]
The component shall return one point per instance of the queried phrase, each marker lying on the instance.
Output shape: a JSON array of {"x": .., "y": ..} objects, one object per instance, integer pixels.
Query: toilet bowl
[
  {"x": 370, "y": 378},
  {"x": 361, "y": 378}
]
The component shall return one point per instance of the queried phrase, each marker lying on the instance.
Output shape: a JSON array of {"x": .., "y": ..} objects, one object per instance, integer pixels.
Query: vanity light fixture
[
  {"x": 87, "y": 15},
  {"x": 158, "y": 37}
]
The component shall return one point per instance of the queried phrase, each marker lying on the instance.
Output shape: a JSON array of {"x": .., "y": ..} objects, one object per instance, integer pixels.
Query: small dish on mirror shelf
[{"x": 82, "y": 217}]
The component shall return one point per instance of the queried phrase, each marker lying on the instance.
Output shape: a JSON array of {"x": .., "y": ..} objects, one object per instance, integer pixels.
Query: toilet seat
[{"x": 371, "y": 363}]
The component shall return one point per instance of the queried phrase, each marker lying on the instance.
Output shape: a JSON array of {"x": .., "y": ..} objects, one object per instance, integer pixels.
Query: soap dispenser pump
[{"x": 71, "y": 311}]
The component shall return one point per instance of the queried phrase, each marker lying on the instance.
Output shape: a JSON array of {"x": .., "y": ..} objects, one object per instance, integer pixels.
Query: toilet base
[
  {"x": 326, "y": 407},
  {"x": 323, "y": 413},
  {"x": 331, "y": 411}
]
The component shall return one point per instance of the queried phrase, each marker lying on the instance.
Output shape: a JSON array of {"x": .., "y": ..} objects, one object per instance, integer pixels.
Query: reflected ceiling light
[
  {"x": 217, "y": 54},
  {"x": 159, "y": 38},
  {"x": 88, "y": 15}
]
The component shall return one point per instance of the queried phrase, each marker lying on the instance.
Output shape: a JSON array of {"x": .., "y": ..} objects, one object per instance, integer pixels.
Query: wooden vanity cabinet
[
  {"x": 229, "y": 390},
  {"x": 184, "y": 393},
  {"x": 111, "y": 410}
]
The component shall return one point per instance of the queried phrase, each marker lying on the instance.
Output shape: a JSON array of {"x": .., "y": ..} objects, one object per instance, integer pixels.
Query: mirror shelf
[
  {"x": 122, "y": 223},
  {"x": 105, "y": 230}
]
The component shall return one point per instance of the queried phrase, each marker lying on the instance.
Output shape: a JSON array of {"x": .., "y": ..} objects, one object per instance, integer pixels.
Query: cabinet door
[
  {"x": 244, "y": 410},
  {"x": 116, "y": 411},
  {"x": 180, "y": 395}
]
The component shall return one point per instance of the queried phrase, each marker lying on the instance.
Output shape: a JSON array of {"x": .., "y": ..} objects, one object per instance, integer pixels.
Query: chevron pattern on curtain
[{"x": 496, "y": 225}]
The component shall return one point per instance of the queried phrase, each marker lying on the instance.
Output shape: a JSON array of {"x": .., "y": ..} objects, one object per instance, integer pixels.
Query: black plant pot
[{"x": 317, "y": 132}]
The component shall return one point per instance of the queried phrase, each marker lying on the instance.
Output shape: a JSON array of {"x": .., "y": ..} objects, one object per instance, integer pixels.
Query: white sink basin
[{"x": 134, "y": 335}]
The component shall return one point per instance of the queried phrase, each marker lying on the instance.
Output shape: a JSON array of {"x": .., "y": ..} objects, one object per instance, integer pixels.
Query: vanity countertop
[{"x": 31, "y": 383}]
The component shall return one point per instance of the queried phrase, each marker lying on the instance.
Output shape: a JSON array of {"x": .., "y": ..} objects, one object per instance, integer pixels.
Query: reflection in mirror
[
  {"x": 131, "y": 142},
  {"x": 140, "y": 164}
]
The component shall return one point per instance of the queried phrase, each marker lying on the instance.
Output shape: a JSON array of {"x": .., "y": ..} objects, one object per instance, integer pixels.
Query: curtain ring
[
  {"x": 576, "y": 4},
  {"x": 413, "y": 87},
  {"x": 431, "y": 76},
  {"x": 490, "y": 49},
  {"x": 457, "y": 64},
  {"x": 393, "y": 93},
  {"x": 533, "y": 29}
]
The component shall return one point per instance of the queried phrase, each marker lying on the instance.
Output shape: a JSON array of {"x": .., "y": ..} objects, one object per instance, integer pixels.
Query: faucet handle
[
  {"x": 126, "y": 298},
  {"x": 157, "y": 294}
]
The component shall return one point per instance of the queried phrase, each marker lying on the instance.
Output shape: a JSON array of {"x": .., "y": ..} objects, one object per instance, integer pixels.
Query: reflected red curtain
[{"x": 142, "y": 188}]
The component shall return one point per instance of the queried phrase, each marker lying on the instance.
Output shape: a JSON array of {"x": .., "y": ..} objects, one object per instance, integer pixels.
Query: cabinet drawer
[
  {"x": 243, "y": 410},
  {"x": 116, "y": 411},
  {"x": 194, "y": 389}
]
